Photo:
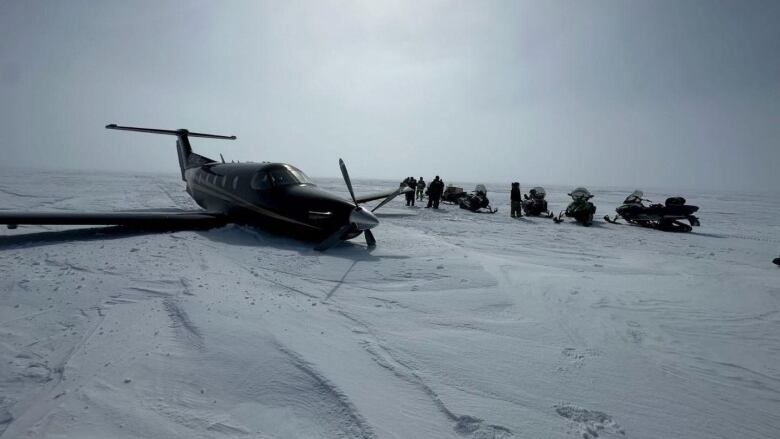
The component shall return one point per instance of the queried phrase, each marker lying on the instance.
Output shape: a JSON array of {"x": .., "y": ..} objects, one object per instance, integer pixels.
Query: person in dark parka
[
  {"x": 435, "y": 189},
  {"x": 412, "y": 183},
  {"x": 516, "y": 200}
]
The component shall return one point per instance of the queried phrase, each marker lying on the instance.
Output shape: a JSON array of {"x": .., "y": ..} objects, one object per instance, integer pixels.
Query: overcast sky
[{"x": 623, "y": 93}]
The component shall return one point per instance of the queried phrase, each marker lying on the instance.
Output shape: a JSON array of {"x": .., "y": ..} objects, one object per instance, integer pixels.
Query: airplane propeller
[
  {"x": 359, "y": 211},
  {"x": 347, "y": 180}
]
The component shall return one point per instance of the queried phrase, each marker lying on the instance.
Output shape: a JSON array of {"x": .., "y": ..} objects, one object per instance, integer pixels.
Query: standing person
[
  {"x": 412, "y": 183},
  {"x": 435, "y": 189},
  {"x": 516, "y": 200},
  {"x": 420, "y": 188}
]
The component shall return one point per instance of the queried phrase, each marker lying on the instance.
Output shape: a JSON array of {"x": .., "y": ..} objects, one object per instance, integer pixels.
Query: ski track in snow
[
  {"x": 359, "y": 426},
  {"x": 457, "y": 325},
  {"x": 463, "y": 424},
  {"x": 186, "y": 330}
]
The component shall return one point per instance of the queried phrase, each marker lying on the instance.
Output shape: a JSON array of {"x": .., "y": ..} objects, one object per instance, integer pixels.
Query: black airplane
[{"x": 274, "y": 196}]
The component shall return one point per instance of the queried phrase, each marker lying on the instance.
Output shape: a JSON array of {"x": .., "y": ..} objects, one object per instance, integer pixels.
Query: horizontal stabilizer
[
  {"x": 180, "y": 132},
  {"x": 187, "y": 158}
]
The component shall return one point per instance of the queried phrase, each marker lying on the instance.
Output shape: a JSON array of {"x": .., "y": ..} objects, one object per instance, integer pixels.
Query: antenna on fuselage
[{"x": 223, "y": 158}]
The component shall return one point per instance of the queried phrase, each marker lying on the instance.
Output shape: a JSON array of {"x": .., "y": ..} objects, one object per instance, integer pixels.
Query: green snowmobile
[{"x": 581, "y": 209}]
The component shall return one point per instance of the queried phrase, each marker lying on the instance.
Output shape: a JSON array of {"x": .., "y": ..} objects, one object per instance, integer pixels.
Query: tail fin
[{"x": 187, "y": 158}]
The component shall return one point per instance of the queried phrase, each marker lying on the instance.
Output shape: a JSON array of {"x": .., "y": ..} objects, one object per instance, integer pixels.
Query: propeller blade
[
  {"x": 347, "y": 180},
  {"x": 400, "y": 191},
  {"x": 333, "y": 239},
  {"x": 370, "y": 240}
]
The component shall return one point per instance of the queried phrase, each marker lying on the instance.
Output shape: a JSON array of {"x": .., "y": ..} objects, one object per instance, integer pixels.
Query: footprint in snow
[
  {"x": 635, "y": 334},
  {"x": 590, "y": 424},
  {"x": 477, "y": 429}
]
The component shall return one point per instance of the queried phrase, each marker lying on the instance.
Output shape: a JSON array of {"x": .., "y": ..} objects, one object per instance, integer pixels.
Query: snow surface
[{"x": 458, "y": 325}]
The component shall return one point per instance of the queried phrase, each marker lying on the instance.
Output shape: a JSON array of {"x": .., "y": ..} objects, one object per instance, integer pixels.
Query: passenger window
[
  {"x": 260, "y": 181},
  {"x": 235, "y": 182}
]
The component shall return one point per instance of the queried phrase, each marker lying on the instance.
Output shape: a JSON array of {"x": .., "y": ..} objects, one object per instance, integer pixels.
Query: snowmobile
[
  {"x": 476, "y": 200},
  {"x": 665, "y": 216},
  {"x": 581, "y": 209},
  {"x": 777, "y": 261},
  {"x": 452, "y": 194},
  {"x": 534, "y": 203}
]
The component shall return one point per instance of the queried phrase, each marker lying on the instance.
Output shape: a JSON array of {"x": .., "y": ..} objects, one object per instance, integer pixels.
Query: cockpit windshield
[{"x": 287, "y": 175}]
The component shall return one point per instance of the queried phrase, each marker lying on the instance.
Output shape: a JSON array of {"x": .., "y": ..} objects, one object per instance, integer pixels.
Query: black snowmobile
[
  {"x": 476, "y": 200},
  {"x": 534, "y": 203},
  {"x": 581, "y": 209},
  {"x": 452, "y": 194},
  {"x": 667, "y": 216}
]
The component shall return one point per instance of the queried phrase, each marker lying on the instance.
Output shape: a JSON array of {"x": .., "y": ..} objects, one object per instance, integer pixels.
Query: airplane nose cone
[{"x": 363, "y": 219}]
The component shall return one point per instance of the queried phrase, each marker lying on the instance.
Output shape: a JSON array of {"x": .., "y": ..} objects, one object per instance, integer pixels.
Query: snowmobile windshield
[
  {"x": 580, "y": 194},
  {"x": 288, "y": 175},
  {"x": 635, "y": 197},
  {"x": 538, "y": 192},
  {"x": 480, "y": 189}
]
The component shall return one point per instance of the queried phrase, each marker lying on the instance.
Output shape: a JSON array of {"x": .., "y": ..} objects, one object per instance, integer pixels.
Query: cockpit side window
[{"x": 261, "y": 181}]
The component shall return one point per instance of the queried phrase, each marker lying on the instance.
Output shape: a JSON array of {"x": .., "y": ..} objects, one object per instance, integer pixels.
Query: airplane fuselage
[{"x": 274, "y": 195}]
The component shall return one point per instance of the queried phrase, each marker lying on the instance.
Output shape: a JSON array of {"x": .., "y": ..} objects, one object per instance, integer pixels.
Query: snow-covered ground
[{"x": 457, "y": 325}]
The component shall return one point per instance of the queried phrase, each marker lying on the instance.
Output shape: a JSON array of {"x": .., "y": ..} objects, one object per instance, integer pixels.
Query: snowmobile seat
[{"x": 675, "y": 201}]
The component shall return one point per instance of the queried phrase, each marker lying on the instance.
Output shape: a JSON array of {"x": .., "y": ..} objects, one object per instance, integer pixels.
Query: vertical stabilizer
[{"x": 185, "y": 150}]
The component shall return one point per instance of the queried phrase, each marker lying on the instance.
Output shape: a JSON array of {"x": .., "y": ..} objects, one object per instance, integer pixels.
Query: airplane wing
[
  {"x": 146, "y": 219},
  {"x": 380, "y": 195}
]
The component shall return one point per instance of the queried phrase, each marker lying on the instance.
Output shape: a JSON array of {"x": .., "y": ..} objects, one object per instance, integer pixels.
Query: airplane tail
[{"x": 187, "y": 158}]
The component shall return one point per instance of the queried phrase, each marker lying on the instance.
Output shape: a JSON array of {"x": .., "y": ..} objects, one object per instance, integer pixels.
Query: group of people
[{"x": 434, "y": 191}]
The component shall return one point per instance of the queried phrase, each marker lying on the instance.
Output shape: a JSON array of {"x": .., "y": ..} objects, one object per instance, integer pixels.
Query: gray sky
[{"x": 623, "y": 93}]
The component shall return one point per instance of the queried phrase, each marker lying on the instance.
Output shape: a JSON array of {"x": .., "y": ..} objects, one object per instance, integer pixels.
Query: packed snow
[{"x": 458, "y": 325}]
